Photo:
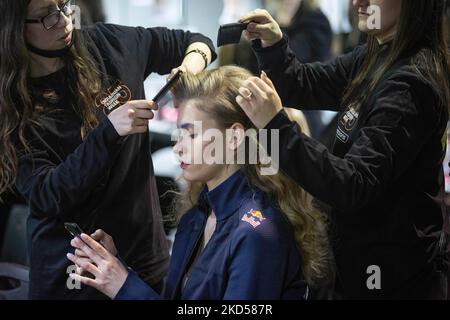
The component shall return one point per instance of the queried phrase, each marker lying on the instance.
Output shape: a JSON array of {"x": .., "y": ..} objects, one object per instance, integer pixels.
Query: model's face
[
  {"x": 194, "y": 144},
  {"x": 55, "y": 38},
  {"x": 191, "y": 144},
  {"x": 380, "y": 22}
]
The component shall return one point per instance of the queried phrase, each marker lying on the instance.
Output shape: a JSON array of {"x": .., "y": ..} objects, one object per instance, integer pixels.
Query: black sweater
[
  {"x": 382, "y": 174},
  {"x": 104, "y": 181},
  {"x": 310, "y": 36}
]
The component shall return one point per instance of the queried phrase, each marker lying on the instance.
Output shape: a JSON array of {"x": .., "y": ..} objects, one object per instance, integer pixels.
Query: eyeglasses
[{"x": 52, "y": 19}]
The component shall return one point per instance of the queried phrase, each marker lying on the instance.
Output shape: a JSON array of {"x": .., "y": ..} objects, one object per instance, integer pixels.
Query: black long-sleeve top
[
  {"x": 104, "y": 181},
  {"x": 383, "y": 174},
  {"x": 310, "y": 36}
]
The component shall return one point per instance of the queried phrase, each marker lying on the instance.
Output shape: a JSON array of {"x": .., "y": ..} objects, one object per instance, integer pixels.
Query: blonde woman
[{"x": 244, "y": 235}]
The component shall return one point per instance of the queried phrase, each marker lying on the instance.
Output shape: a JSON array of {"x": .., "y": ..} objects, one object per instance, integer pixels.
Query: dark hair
[
  {"x": 16, "y": 102},
  {"x": 421, "y": 36}
]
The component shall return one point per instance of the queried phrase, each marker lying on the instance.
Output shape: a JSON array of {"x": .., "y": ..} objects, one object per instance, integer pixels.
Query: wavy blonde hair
[{"x": 215, "y": 92}]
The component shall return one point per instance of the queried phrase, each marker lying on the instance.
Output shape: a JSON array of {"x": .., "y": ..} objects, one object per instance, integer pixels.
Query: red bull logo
[
  {"x": 257, "y": 214},
  {"x": 254, "y": 218}
]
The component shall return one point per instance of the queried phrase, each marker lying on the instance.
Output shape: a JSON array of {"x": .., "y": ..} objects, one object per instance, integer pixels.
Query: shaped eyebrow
[{"x": 186, "y": 126}]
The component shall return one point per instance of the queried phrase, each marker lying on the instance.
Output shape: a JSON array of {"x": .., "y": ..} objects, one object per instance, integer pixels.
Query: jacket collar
[{"x": 226, "y": 198}]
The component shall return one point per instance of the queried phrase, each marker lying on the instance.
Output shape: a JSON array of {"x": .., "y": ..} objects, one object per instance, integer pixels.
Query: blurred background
[{"x": 318, "y": 30}]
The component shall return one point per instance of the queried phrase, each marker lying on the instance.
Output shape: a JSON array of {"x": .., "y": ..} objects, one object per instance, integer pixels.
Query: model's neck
[{"x": 219, "y": 179}]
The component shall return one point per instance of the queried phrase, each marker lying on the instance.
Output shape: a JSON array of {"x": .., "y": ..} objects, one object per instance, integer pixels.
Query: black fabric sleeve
[
  {"x": 301, "y": 46},
  {"x": 395, "y": 131},
  {"x": 153, "y": 49},
  {"x": 53, "y": 189},
  {"x": 167, "y": 48},
  {"x": 310, "y": 86}
]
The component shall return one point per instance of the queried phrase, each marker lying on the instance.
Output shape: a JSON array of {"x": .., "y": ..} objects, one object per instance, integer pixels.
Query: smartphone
[
  {"x": 167, "y": 86},
  {"x": 74, "y": 229}
]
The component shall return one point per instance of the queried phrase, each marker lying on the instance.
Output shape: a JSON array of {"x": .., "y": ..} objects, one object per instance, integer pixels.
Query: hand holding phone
[{"x": 104, "y": 239}]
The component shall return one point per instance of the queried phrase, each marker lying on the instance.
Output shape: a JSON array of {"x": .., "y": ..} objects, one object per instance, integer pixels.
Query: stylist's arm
[{"x": 198, "y": 57}]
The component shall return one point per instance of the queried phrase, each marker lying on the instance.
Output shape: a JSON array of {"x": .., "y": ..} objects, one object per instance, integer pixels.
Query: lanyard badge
[{"x": 116, "y": 95}]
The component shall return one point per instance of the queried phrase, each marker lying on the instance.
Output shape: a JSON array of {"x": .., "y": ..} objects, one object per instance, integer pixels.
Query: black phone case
[
  {"x": 230, "y": 33},
  {"x": 73, "y": 229}
]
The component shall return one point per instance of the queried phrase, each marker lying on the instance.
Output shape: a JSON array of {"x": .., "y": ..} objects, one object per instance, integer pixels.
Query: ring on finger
[{"x": 249, "y": 96}]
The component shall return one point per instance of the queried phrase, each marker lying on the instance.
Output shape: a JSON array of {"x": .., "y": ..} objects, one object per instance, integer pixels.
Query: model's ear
[{"x": 235, "y": 136}]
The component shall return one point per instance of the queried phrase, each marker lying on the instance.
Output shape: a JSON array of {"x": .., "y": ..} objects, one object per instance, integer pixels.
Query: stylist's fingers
[
  {"x": 144, "y": 114},
  {"x": 245, "y": 93},
  {"x": 143, "y": 104},
  {"x": 261, "y": 25},
  {"x": 258, "y": 15},
  {"x": 256, "y": 88},
  {"x": 250, "y": 36},
  {"x": 140, "y": 129},
  {"x": 266, "y": 79},
  {"x": 123, "y": 117},
  {"x": 262, "y": 86},
  {"x": 258, "y": 28},
  {"x": 140, "y": 123},
  {"x": 246, "y": 105},
  {"x": 264, "y": 103},
  {"x": 181, "y": 68},
  {"x": 247, "y": 35}
]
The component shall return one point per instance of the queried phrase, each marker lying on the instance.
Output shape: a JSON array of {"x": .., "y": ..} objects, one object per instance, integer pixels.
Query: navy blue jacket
[{"x": 251, "y": 255}]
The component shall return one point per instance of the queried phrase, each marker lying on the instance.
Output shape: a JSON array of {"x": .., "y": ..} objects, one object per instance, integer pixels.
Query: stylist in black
[
  {"x": 70, "y": 161},
  {"x": 384, "y": 176}
]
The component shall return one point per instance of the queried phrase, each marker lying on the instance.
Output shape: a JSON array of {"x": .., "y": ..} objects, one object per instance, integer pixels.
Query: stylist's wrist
[
  {"x": 194, "y": 63},
  {"x": 271, "y": 42},
  {"x": 197, "y": 57}
]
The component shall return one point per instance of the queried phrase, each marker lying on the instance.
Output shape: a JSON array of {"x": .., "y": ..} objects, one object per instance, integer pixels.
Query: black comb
[{"x": 230, "y": 33}]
